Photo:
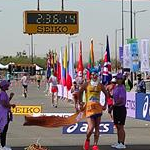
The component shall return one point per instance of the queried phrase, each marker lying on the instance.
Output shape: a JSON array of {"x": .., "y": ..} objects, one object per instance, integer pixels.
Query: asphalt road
[{"x": 19, "y": 136}]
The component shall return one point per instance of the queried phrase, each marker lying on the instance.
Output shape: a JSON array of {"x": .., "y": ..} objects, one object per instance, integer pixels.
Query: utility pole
[
  {"x": 32, "y": 48},
  {"x": 62, "y": 5}
]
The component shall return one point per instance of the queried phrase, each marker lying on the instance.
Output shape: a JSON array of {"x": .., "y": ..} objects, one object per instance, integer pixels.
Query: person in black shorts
[
  {"x": 119, "y": 111},
  {"x": 24, "y": 82}
]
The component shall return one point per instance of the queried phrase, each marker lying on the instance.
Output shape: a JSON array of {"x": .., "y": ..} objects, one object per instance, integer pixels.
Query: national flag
[
  {"x": 80, "y": 63},
  {"x": 64, "y": 67},
  {"x": 107, "y": 65},
  {"x": 92, "y": 54},
  {"x": 71, "y": 63},
  {"x": 70, "y": 72},
  {"x": 91, "y": 62},
  {"x": 48, "y": 65}
]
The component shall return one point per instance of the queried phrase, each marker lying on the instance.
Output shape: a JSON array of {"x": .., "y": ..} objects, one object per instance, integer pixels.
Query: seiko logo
[{"x": 146, "y": 107}]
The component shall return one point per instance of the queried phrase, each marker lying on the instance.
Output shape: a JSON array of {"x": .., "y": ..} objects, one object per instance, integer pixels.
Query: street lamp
[
  {"x": 32, "y": 48},
  {"x": 116, "y": 47},
  {"x": 134, "y": 14},
  {"x": 34, "y": 51},
  {"x": 28, "y": 49},
  {"x": 102, "y": 48}
]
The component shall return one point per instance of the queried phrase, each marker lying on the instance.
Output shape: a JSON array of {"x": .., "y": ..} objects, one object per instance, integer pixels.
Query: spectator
[
  {"x": 5, "y": 112},
  {"x": 127, "y": 82},
  {"x": 141, "y": 86},
  {"x": 119, "y": 111}
]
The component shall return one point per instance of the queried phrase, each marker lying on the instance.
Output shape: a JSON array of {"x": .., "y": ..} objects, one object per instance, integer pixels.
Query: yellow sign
[
  {"x": 51, "y": 22},
  {"x": 26, "y": 110}
]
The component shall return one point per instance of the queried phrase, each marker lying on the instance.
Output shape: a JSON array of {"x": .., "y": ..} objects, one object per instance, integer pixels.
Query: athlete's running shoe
[
  {"x": 86, "y": 145},
  {"x": 120, "y": 146},
  {"x": 114, "y": 145},
  {"x": 95, "y": 147}
]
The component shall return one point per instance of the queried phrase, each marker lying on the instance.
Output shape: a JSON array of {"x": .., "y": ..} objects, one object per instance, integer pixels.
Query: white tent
[
  {"x": 6, "y": 66},
  {"x": 38, "y": 68},
  {"x": 3, "y": 66}
]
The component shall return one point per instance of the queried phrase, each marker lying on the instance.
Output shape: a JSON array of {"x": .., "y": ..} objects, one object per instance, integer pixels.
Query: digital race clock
[{"x": 51, "y": 22}]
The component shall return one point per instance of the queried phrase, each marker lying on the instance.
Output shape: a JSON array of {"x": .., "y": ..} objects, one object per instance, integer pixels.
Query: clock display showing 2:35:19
[{"x": 52, "y": 18}]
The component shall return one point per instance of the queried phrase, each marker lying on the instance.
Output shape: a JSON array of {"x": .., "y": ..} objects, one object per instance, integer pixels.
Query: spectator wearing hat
[
  {"x": 141, "y": 86},
  {"x": 119, "y": 111},
  {"x": 5, "y": 112}
]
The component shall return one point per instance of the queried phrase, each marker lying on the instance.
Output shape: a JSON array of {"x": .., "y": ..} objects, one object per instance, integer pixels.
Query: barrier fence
[{"x": 137, "y": 104}]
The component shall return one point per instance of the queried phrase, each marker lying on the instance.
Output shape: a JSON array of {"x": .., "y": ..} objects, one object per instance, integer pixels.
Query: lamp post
[
  {"x": 32, "y": 48},
  {"x": 38, "y": 4},
  {"x": 102, "y": 48},
  {"x": 122, "y": 23},
  {"x": 62, "y": 5},
  {"x": 34, "y": 55},
  {"x": 28, "y": 49},
  {"x": 134, "y": 15},
  {"x": 116, "y": 47}
]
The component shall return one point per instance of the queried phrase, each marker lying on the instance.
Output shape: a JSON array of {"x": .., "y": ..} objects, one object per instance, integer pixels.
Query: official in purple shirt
[
  {"x": 5, "y": 112},
  {"x": 119, "y": 111}
]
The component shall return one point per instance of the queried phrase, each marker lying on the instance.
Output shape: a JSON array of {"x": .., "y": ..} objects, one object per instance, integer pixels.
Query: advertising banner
[
  {"x": 26, "y": 110},
  {"x": 134, "y": 57},
  {"x": 143, "y": 106},
  {"x": 127, "y": 56},
  {"x": 144, "y": 57},
  {"x": 81, "y": 128},
  {"x": 131, "y": 104}
]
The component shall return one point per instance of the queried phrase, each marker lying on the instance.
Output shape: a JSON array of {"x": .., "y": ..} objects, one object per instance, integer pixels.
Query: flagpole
[
  {"x": 122, "y": 25},
  {"x": 131, "y": 35}
]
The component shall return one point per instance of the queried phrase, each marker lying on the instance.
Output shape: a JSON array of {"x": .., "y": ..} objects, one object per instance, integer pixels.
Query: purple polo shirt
[
  {"x": 119, "y": 95},
  {"x": 3, "y": 110}
]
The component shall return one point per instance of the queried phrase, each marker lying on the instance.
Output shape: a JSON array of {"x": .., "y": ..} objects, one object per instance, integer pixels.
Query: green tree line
[{"x": 24, "y": 60}]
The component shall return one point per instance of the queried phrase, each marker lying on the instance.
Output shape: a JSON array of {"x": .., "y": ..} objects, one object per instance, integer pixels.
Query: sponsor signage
[
  {"x": 51, "y": 22},
  {"x": 81, "y": 128},
  {"x": 131, "y": 104},
  {"x": 26, "y": 110},
  {"x": 143, "y": 106},
  {"x": 53, "y": 114}
]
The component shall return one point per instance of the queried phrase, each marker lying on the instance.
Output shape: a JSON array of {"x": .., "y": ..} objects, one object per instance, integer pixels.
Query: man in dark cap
[{"x": 141, "y": 86}]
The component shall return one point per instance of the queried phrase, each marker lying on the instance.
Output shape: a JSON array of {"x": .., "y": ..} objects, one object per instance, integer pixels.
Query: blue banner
[
  {"x": 81, "y": 128},
  {"x": 143, "y": 106},
  {"x": 134, "y": 57}
]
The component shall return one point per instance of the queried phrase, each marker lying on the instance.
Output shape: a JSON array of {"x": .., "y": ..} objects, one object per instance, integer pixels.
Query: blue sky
[{"x": 97, "y": 18}]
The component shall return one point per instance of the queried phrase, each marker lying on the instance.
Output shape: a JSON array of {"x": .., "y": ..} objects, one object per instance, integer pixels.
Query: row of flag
[{"x": 63, "y": 64}]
